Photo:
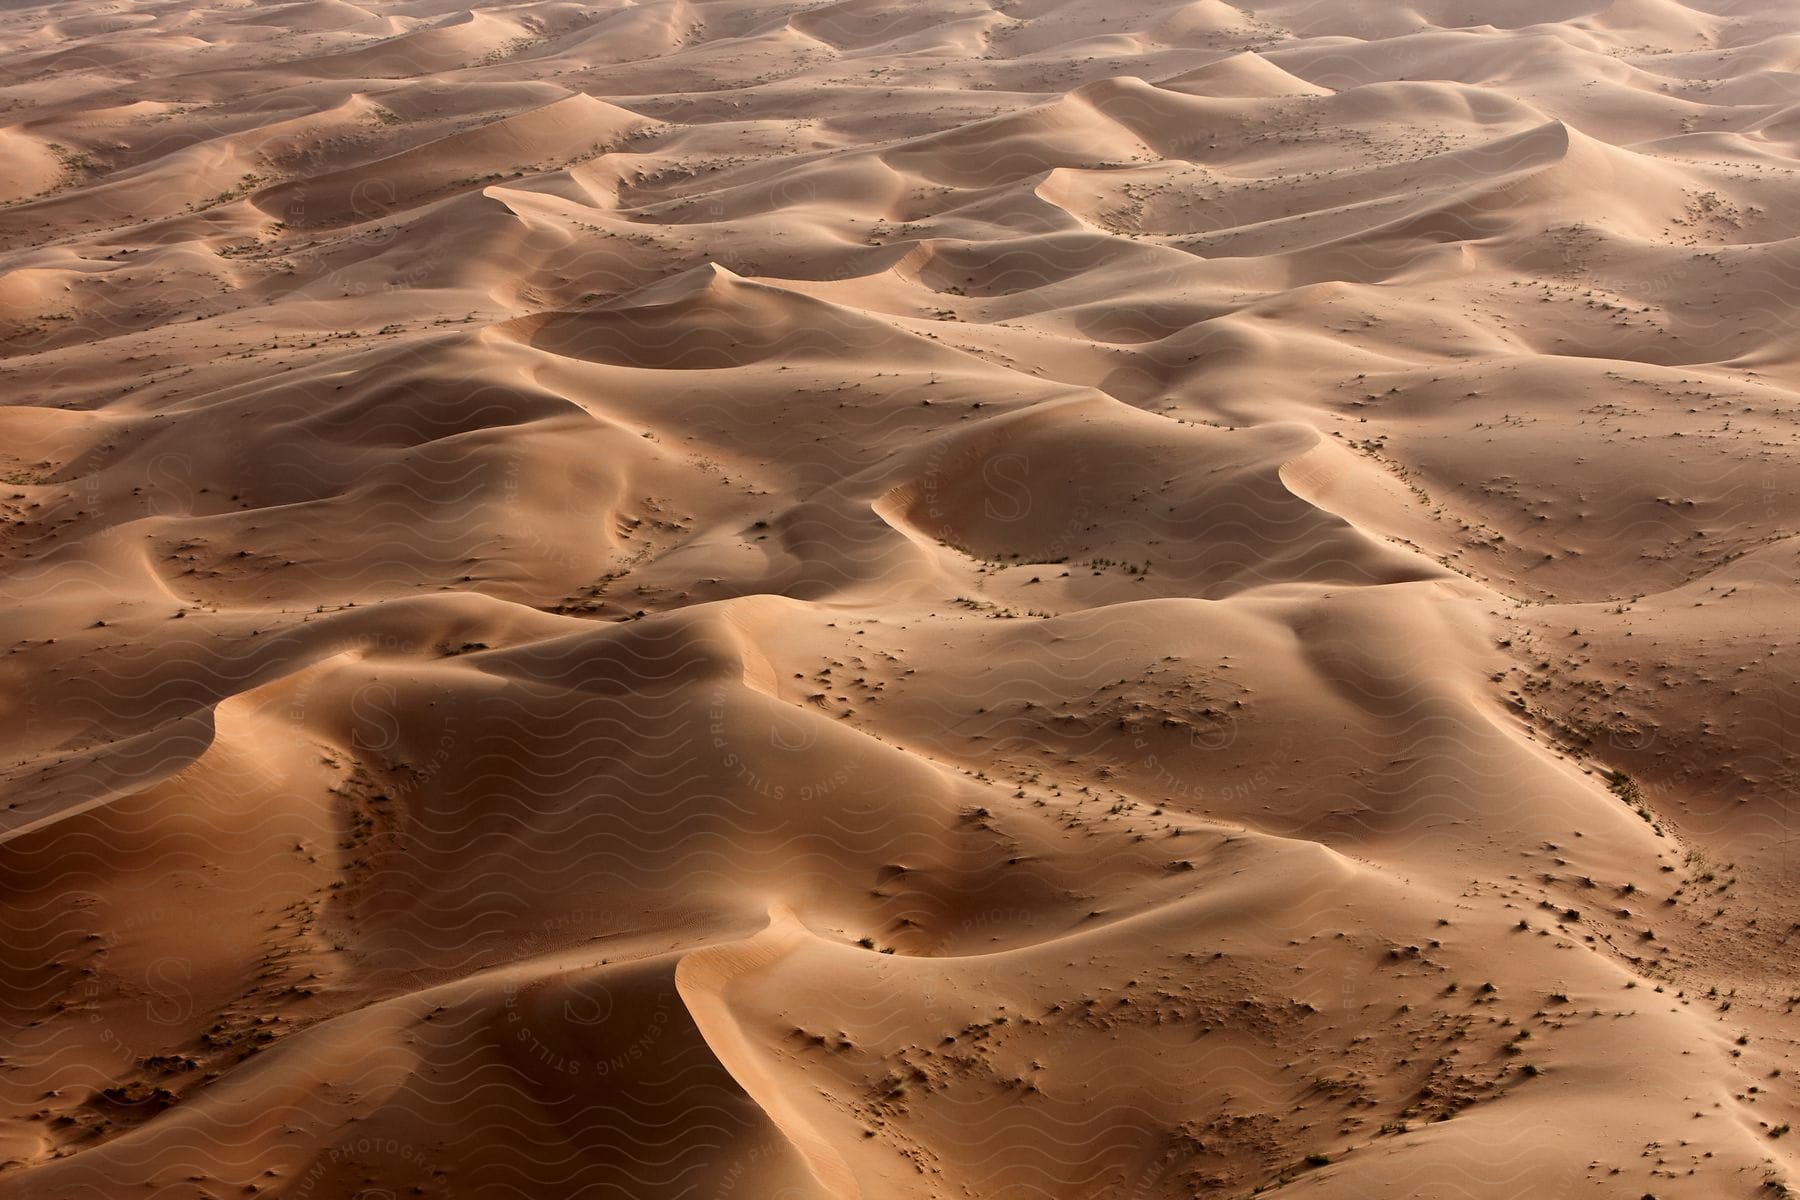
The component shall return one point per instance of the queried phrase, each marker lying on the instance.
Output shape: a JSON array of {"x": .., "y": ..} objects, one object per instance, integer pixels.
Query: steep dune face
[{"x": 871, "y": 599}]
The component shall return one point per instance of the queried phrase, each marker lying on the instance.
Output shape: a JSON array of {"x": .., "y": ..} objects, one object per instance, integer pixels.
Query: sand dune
[{"x": 1004, "y": 598}]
